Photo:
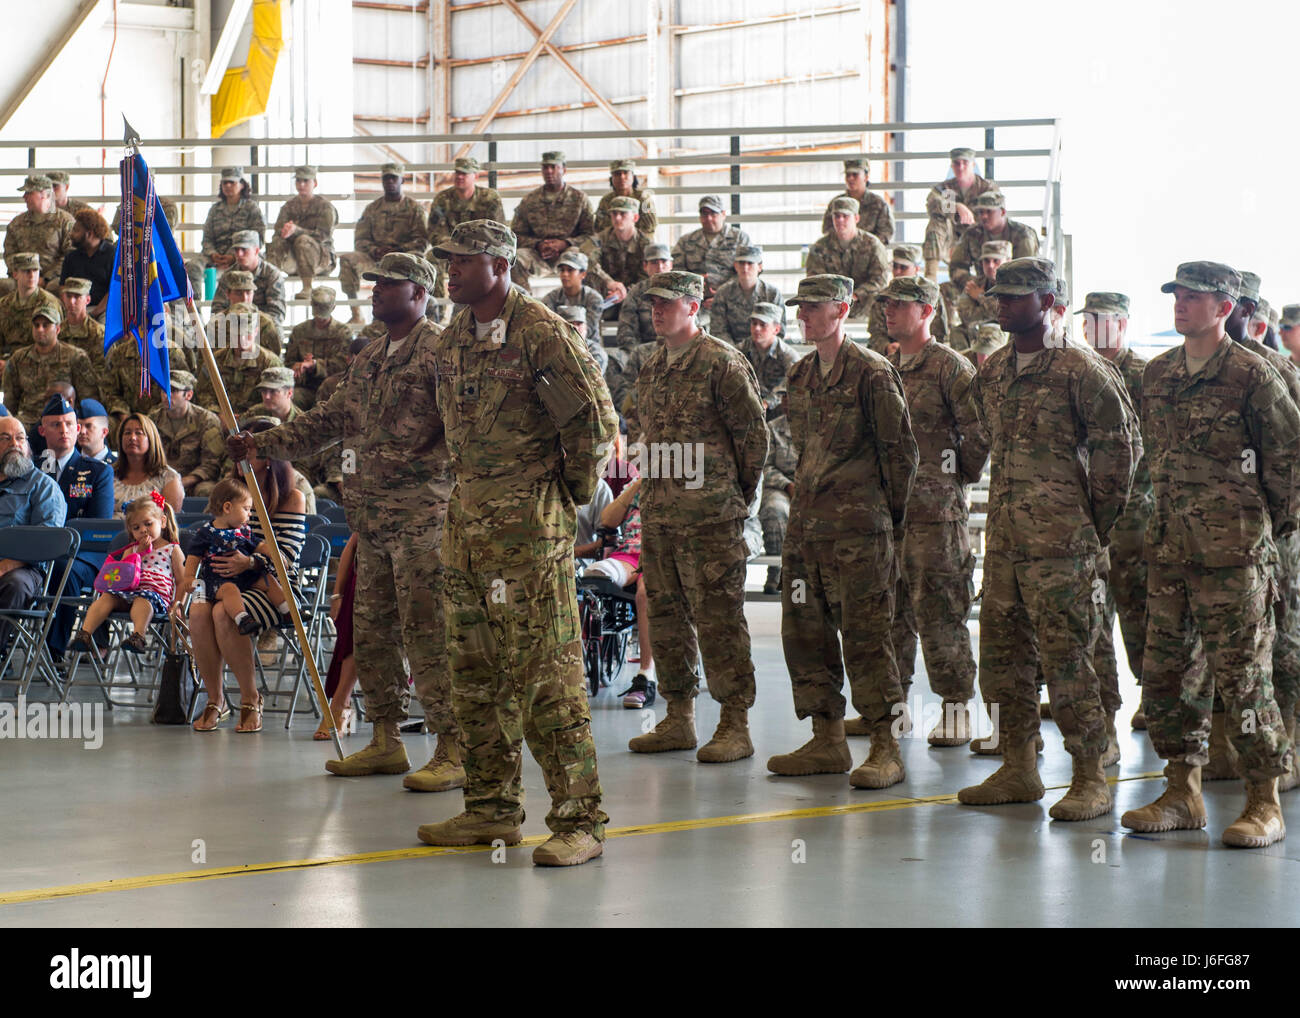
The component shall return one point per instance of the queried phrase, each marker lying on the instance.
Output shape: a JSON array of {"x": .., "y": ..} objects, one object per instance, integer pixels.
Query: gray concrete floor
[{"x": 135, "y": 807}]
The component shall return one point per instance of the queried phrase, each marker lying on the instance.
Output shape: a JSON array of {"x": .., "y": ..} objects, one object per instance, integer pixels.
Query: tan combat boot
[
  {"x": 1088, "y": 796},
  {"x": 355, "y": 318},
  {"x": 1139, "y": 722},
  {"x": 1291, "y": 778},
  {"x": 857, "y": 726},
  {"x": 1260, "y": 823},
  {"x": 305, "y": 292},
  {"x": 444, "y": 770},
  {"x": 953, "y": 728},
  {"x": 572, "y": 848},
  {"x": 884, "y": 763},
  {"x": 1111, "y": 756},
  {"x": 1016, "y": 780},
  {"x": 469, "y": 829},
  {"x": 1223, "y": 758},
  {"x": 826, "y": 753},
  {"x": 987, "y": 747},
  {"x": 1179, "y": 808},
  {"x": 731, "y": 740},
  {"x": 675, "y": 731},
  {"x": 385, "y": 755}
]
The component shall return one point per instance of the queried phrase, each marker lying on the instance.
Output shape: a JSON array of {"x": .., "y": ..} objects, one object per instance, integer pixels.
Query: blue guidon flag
[{"x": 148, "y": 271}]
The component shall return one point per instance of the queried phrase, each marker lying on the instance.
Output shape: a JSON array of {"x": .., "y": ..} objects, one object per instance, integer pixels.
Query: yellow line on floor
[{"x": 423, "y": 852}]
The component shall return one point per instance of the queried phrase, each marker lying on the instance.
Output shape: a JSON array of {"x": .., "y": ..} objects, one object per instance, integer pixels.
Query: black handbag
[{"x": 176, "y": 687}]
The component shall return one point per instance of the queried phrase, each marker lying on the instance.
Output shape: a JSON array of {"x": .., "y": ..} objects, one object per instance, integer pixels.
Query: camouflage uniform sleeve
[
  {"x": 649, "y": 221},
  {"x": 13, "y": 390},
  {"x": 1028, "y": 244},
  {"x": 212, "y": 453},
  {"x": 310, "y": 432},
  {"x": 960, "y": 266},
  {"x": 877, "y": 270},
  {"x": 438, "y": 230},
  {"x": 974, "y": 452},
  {"x": 742, "y": 413},
  {"x": 629, "y": 325},
  {"x": 1109, "y": 438},
  {"x": 494, "y": 210},
  {"x": 816, "y": 264},
  {"x": 209, "y": 234},
  {"x": 280, "y": 220},
  {"x": 84, "y": 379},
  {"x": 885, "y": 406},
  {"x": 883, "y": 228},
  {"x": 275, "y": 299},
  {"x": 417, "y": 231},
  {"x": 522, "y": 228},
  {"x": 827, "y": 222},
  {"x": 1273, "y": 423},
  {"x": 363, "y": 237},
  {"x": 585, "y": 229}
]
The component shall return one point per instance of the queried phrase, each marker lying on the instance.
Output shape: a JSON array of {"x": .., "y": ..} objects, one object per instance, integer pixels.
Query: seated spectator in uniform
[
  {"x": 87, "y": 488},
  {"x": 92, "y": 438},
  {"x": 734, "y": 304},
  {"x": 268, "y": 281},
  {"x": 18, "y": 306},
  {"x": 586, "y": 545},
  {"x": 769, "y": 356},
  {"x": 577, "y": 317},
  {"x": 35, "y": 439},
  {"x": 907, "y": 262},
  {"x": 302, "y": 241},
  {"x": 572, "y": 267},
  {"x": 191, "y": 436},
  {"x": 91, "y": 258},
  {"x": 975, "y": 306},
  {"x": 332, "y": 381},
  {"x": 621, "y": 246},
  {"x": 240, "y": 356},
  {"x": 317, "y": 348},
  {"x": 990, "y": 210},
  {"x": 323, "y": 470},
  {"x": 234, "y": 210},
  {"x": 79, "y": 329},
  {"x": 624, "y": 183},
  {"x": 874, "y": 214},
  {"x": 31, "y": 369},
  {"x": 711, "y": 250},
  {"x": 389, "y": 224},
  {"x": 63, "y": 200},
  {"x": 549, "y": 221},
  {"x": 28, "y": 498},
  {"x": 846, "y": 250},
  {"x": 988, "y": 338},
  {"x": 635, "y": 326},
  {"x": 239, "y": 288},
  {"x": 142, "y": 465}
]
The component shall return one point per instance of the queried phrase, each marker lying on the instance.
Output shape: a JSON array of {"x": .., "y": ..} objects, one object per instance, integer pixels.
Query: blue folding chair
[
  {"x": 194, "y": 504},
  {"x": 333, "y": 513},
  {"x": 29, "y": 625}
]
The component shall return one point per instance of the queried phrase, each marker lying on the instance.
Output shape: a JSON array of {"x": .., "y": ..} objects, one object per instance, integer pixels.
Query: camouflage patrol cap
[
  {"x": 748, "y": 253},
  {"x": 245, "y": 238},
  {"x": 1249, "y": 286},
  {"x": 1206, "y": 277},
  {"x": 990, "y": 200},
  {"x": 479, "y": 236},
  {"x": 1021, "y": 276},
  {"x": 232, "y": 173},
  {"x": 845, "y": 205},
  {"x": 961, "y": 153},
  {"x": 573, "y": 258},
  {"x": 304, "y": 173},
  {"x": 996, "y": 249},
  {"x": 572, "y": 313},
  {"x": 1290, "y": 317},
  {"x": 238, "y": 279},
  {"x": 399, "y": 265},
  {"x": 657, "y": 253},
  {"x": 466, "y": 164},
  {"x": 37, "y": 182},
  {"x": 988, "y": 337},
  {"x": 918, "y": 289},
  {"x": 244, "y": 308},
  {"x": 625, "y": 203},
  {"x": 25, "y": 261},
  {"x": 676, "y": 284},
  {"x": 712, "y": 201},
  {"x": 275, "y": 378},
  {"x": 1263, "y": 311},
  {"x": 392, "y": 170},
  {"x": 182, "y": 380},
  {"x": 1062, "y": 292},
  {"x": 323, "y": 299},
  {"x": 823, "y": 288},
  {"x": 1104, "y": 302},
  {"x": 77, "y": 286},
  {"x": 622, "y": 166},
  {"x": 908, "y": 254},
  {"x": 855, "y": 165},
  {"x": 556, "y": 158},
  {"x": 48, "y": 309},
  {"x": 765, "y": 311},
  {"x": 57, "y": 176}
]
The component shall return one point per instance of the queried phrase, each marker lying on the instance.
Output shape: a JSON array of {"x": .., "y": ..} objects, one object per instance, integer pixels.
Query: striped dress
[{"x": 290, "y": 533}]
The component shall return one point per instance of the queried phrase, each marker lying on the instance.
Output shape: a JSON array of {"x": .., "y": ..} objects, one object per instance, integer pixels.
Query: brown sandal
[
  {"x": 245, "y": 712},
  {"x": 211, "y": 717}
]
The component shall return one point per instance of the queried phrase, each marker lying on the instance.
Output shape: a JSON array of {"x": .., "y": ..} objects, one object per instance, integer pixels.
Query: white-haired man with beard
[{"x": 28, "y": 498}]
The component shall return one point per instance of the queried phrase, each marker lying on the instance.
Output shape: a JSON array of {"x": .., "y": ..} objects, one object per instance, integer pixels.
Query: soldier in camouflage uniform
[
  {"x": 948, "y": 205},
  {"x": 238, "y": 287},
  {"x": 79, "y": 329},
  {"x": 621, "y": 248},
  {"x": 389, "y": 225},
  {"x": 697, "y": 396},
  {"x": 635, "y": 339},
  {"x": 848, "y": 251},
  {"x": 769, "y": 355},
  {"x": 1288, "y": 330},
  {"x": 43, "y": 230},
  {"x": 711, "y": 250},
  {"x": 576, "y": 316},
  {"x": 936, "y": 563},
  {"x": 16, "y": 308},
  {"x": 624, "y": 183},
  {"x": 267, "y": 283},
  {"x": 62, "y": 200},
  {"x": 323, "y": 470},
  {"x": 1222, "y": 439},
  {"x": 989, "y": 337},
  {"x": 734, "y": 303},
  {"x": 302, "y": 241},
  {"x": 318, "y": 347},
  {"x": 234, "y": 212},
  {"x": 31, "y": 369},
  {"x": 857, "y": 461},
  {"x": 874, "y": 214},
  {"x": 387, "y": 421},
  {"x": 240, "y": 356},
  {"x": 976, "y": 305},
  {"x": 529, "y": 427},
  {"x": 1064, "y": 448},
  {"x": 573, "y": 291},
  {"x": 457, "y": 204},
  {"x": 119, "y": 370},
  {"x": 990, "y": 210},
  {"x": 907, "y": 262},
  {"x": 191, "y": 437},
  {"x": 549, "y": 221}
]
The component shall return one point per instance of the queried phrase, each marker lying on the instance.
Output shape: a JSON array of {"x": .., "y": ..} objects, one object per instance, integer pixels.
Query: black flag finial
[{"x": 131, "y": 137}]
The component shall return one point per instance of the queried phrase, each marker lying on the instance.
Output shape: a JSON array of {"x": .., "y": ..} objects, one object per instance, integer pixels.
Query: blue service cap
[
  {"x": 91, "y": 408},
  {"x": 56, "y": 406},
  {"x": 4, "y": 410}
]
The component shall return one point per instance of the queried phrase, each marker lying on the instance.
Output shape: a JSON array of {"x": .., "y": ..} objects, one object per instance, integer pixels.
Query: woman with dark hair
[
  {"x": 624, "y": 183},
  {"x": 141, "y": 465},
  {"x": 234, "y": 210},
  {"x": 213, "y": 633},
  {"x": 91, "y": 257}
]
